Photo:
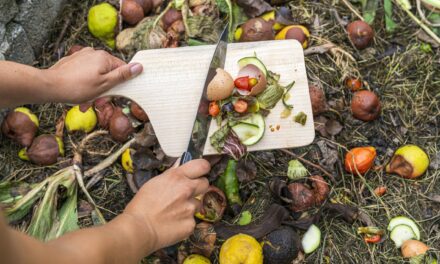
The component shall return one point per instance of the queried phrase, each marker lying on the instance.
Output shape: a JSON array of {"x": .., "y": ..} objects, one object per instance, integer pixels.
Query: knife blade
[{"x": 199, "y": 133}]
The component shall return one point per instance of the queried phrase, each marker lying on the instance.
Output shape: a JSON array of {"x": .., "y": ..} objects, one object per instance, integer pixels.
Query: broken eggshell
[
  {"x": 253, "y": 71},
  {"x": 221, "y": 86}
]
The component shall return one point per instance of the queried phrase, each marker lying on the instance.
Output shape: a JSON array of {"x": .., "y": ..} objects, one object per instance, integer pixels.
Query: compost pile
[{"x": 365, "y": 191}]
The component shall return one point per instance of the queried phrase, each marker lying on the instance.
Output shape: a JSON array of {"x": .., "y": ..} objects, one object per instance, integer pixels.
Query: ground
[{"x": 404, "y": 75}]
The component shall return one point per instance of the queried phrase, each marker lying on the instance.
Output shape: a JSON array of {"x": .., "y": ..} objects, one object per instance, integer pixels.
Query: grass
[{"x": 407, "y": 82}]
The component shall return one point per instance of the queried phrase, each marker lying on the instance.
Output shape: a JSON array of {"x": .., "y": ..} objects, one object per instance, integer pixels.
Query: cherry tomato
[
  {"x": 353, "y": 84},
  {"x": 214, "y": 109},
  {"x": 240, "y": 106},
  {"x": 372, "y": 239},
  {"x": 242, "y": 83},
  {"x": 252, "y": 82}
]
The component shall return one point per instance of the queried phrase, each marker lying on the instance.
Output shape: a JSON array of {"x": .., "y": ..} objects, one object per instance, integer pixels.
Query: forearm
[
  {"x": 22, "y": 84},
  {"x": 123, "y": 240}
]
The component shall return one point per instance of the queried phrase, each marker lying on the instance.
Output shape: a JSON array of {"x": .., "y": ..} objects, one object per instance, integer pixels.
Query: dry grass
[{"x": 408, "y": 83}]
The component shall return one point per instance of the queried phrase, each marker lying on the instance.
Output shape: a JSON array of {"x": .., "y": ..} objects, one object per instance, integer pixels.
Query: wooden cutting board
[{"x": 170, "y": 87}]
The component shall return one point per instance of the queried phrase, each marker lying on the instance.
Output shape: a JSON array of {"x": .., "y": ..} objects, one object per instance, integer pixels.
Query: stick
[
  {"x": 309, "y": 163},
  {"x": 352, "y": 9}
]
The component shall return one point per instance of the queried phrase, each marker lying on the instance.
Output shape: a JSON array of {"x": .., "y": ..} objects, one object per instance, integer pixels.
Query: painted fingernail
[{"x": 135, "y": 69}]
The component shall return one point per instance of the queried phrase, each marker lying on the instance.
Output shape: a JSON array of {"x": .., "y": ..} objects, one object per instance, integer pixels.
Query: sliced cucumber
[
  {"x": 250, "y": 130},
  {"x": 311, "y": 239},
  {"x": 402, "y": 233},
  {"x": 403, "y": 220},
  {"x": 254, "y": 61}
]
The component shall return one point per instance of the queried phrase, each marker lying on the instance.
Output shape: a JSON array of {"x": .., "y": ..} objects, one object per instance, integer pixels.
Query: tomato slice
[
  {"x": 242, "y": 83},
  {"x": 214, "y": 109},
  {"x": 240, "y": 106},
  {"x": 252, "y": 82}
]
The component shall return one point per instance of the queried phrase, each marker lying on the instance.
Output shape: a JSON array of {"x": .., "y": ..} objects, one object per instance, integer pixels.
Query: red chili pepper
[
  {"x": 242, "y": 83},
  {"x": 214, "y": 109},
  {"x": 372, "y": 239}
]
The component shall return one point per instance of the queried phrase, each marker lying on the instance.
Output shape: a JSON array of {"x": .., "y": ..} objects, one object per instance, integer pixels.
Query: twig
[
  {"x": 332, "y": 178},
  {"x": 352, "y": 9},
  {"x": 423, "y": 17},
  {"x": 62, "y": 33},
  {"x": 109, "y": 160},
  {"x": 321, "y": 49},
  {"x": 82, "y": 144}
]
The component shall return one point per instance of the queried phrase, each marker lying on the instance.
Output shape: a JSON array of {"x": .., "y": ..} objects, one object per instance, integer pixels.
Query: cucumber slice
[
  {"x": 403, "y": 220},
  {"x": 402, "y": 233},
  {"x": 311, "y": 239},
  {"x": 254, "y": 61},
  {"x": 250, "y": 130}
]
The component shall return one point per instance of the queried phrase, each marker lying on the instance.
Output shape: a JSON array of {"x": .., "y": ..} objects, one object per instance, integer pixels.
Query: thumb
[{"x": 124, "y": 73}]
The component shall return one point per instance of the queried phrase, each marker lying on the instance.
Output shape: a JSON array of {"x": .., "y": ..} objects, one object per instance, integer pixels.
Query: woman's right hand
[{"x": 165, "y": 205}]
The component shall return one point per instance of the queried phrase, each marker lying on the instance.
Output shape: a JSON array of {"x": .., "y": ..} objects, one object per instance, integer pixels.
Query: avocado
[{"x": 281, "y": 246}]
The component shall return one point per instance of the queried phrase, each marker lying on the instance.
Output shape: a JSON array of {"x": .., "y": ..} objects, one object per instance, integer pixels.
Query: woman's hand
[
  {"x": 86, "y": 74},
  {"x": 165, "y": 205}
]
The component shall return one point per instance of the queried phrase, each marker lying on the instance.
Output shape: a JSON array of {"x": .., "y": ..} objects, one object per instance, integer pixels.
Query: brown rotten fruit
[
  {"x": 257, "y": 29},
  {"x": 120, "y": 126},
  {"x": 20, "y": 125},
  {"x": 320, "y": 189},
  {"x": 302, "y": 197},
  {"x": 170, "y": 17},
  {"x": 360, "y": 34},
  {"x": 213, "y": 205},
  {"x": 317, "y": 97},
  {"x": 131, "y": 12},
  {"x": 146, "y": 5},
  {"x": 45, "y": 150},
  {"x": 365, "y": 105},
  {"x": 104, "y": 111},
  {"x": 138, "y": 112}
]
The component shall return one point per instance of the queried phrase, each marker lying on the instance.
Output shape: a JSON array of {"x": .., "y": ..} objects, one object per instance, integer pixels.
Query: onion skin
[
  {"x": 104, "y": 113},
  {"x": 412, "y": 248},
  {"x": 365, "y": 105}
]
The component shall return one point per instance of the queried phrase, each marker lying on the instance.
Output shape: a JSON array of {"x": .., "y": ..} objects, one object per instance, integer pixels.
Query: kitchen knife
[{"x": 200, "y": 130}]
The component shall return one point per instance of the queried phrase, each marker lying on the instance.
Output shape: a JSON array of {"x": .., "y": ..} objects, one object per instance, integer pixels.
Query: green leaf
[
  {"x": 390, "y": 25},
  {"x": 296, "y": 170},
  {"x": 369, "y": 8},
  {"x": 10, "y": 192},
  {"x": 222, "y": 6},
  {"x": 67, "y": 217}
]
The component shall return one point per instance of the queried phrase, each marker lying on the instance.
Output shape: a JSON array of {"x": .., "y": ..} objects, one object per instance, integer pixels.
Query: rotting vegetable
[
  {"x": 311, "y": 240},
  {"x": 354, "y": 84},
  {"x": 228, "y": 182},
  {"x": 78, "y": 119},
  {"x": 409, "y": 161},
  {"x": 203, "y": 239},
  {"x": 281, "y": 246},
  {"x": 213, "y": 205},
  {"x": 365, "y": 105},
  {"x": 104, "y": 111},
  {"x": 21, "y": 125},
  {"x": 126, "y": 161},
  {"x": 360, "y": 159}
]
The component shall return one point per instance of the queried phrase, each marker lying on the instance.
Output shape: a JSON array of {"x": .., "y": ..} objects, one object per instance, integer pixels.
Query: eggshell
[
  {"x": 221, "y": 86},
  {"x": 253, "y": 72}
]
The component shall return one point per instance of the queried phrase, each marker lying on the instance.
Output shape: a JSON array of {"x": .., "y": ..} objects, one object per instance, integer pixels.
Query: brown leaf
[
  {"x": 333, "y": 127},
  {"x": 246, "y": 171},
  {"x": 254, "y": 8}
]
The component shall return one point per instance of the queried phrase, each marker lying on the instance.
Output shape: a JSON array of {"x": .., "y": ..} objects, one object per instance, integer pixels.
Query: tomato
[
  {"x": 372, "y": 239},
  {"x": 242, "y": 83},
  {"x": 353, "y": 84},
  {"x": 214, "y": 109},
  {"x": 252, "y": 82},
  {"x": 240, "y": 106}
]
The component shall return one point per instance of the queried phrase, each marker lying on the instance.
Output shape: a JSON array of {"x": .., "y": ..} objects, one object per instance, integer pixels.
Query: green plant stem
[{"x": 390, "y": 25}]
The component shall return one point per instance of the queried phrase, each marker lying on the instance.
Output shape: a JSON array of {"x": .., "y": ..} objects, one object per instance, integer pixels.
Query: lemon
[
  {"x": 102, "y": 21},
  {"x": 79, "y": 121},
  {"x": 60, "y": 145},
  {"x": 28, "y": 112},
  {"x": 196, "y": 259},
  {"x": 241, "y": 249},
  {"x": 126, "y": 160},
  {"x": 409, "y": 161},
  {"x": 268, "y": 16},
  {"x": 237, "y": 33},
  {"x": 302, "y": 35}
]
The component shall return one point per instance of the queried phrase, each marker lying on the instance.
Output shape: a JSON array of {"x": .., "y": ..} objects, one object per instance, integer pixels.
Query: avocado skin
[{"x": 281, "y": 246}]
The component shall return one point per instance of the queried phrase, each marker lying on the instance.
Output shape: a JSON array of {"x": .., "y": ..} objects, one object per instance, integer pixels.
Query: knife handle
[{"x": 186, "y": 157}]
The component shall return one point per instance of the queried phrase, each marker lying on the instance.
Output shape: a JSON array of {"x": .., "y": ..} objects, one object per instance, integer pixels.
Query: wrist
[{"x": 50, "y": 83}]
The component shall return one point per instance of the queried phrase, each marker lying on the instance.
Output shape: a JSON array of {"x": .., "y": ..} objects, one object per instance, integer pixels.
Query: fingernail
[{"x": 135, "y": 69}]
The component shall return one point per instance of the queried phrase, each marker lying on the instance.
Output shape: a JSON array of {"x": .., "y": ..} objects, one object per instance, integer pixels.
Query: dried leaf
[
  {"x": 254, "y": 8},
  {"x": 333, "y": 127},
  {"x": 246, "y": 171}
]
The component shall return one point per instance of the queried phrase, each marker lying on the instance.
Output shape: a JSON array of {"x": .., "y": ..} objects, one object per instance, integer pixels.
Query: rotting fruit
[
  {"x": 21, "y": 125},
  {"x": 131, "y": 12},
  {"x": 317, "y": 98},
  {"x": 365, "y": 105},
  {"x": 45, "y": 150},
  {"x": 104, "y": 111},
  {"x": 303, "y": 197},
  {"x": 412, "y": 248},
  {"x": 138, "y": 112},
  {"x": 256, "y": 29},
  {"x": 360, "y": 159},
  {"x": 102, "y": 21},
  {"x": 297, "y": 32},
  {"x": 146, "y": 5},
  {"x": 213, "y": 205},
  {"x": 354, "y": 84},
  {"x": 409, "y": 161},
  {"x": 77, "y": 120},
  {"x": 126, "y": 161},
  {"x": 360, "y": 34},
  {"x": 320, "y": 189},
  {"x": 120, "y": 126},
  {"x": 171, "y": 16},
  {"x": 241, "y": 249},
  {"x": 196, "y": 259},
  {"x": 281, "y": 246}
]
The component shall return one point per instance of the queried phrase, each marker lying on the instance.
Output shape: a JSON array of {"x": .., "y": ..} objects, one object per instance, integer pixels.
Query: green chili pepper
[{"x": 228, "y": 183}]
